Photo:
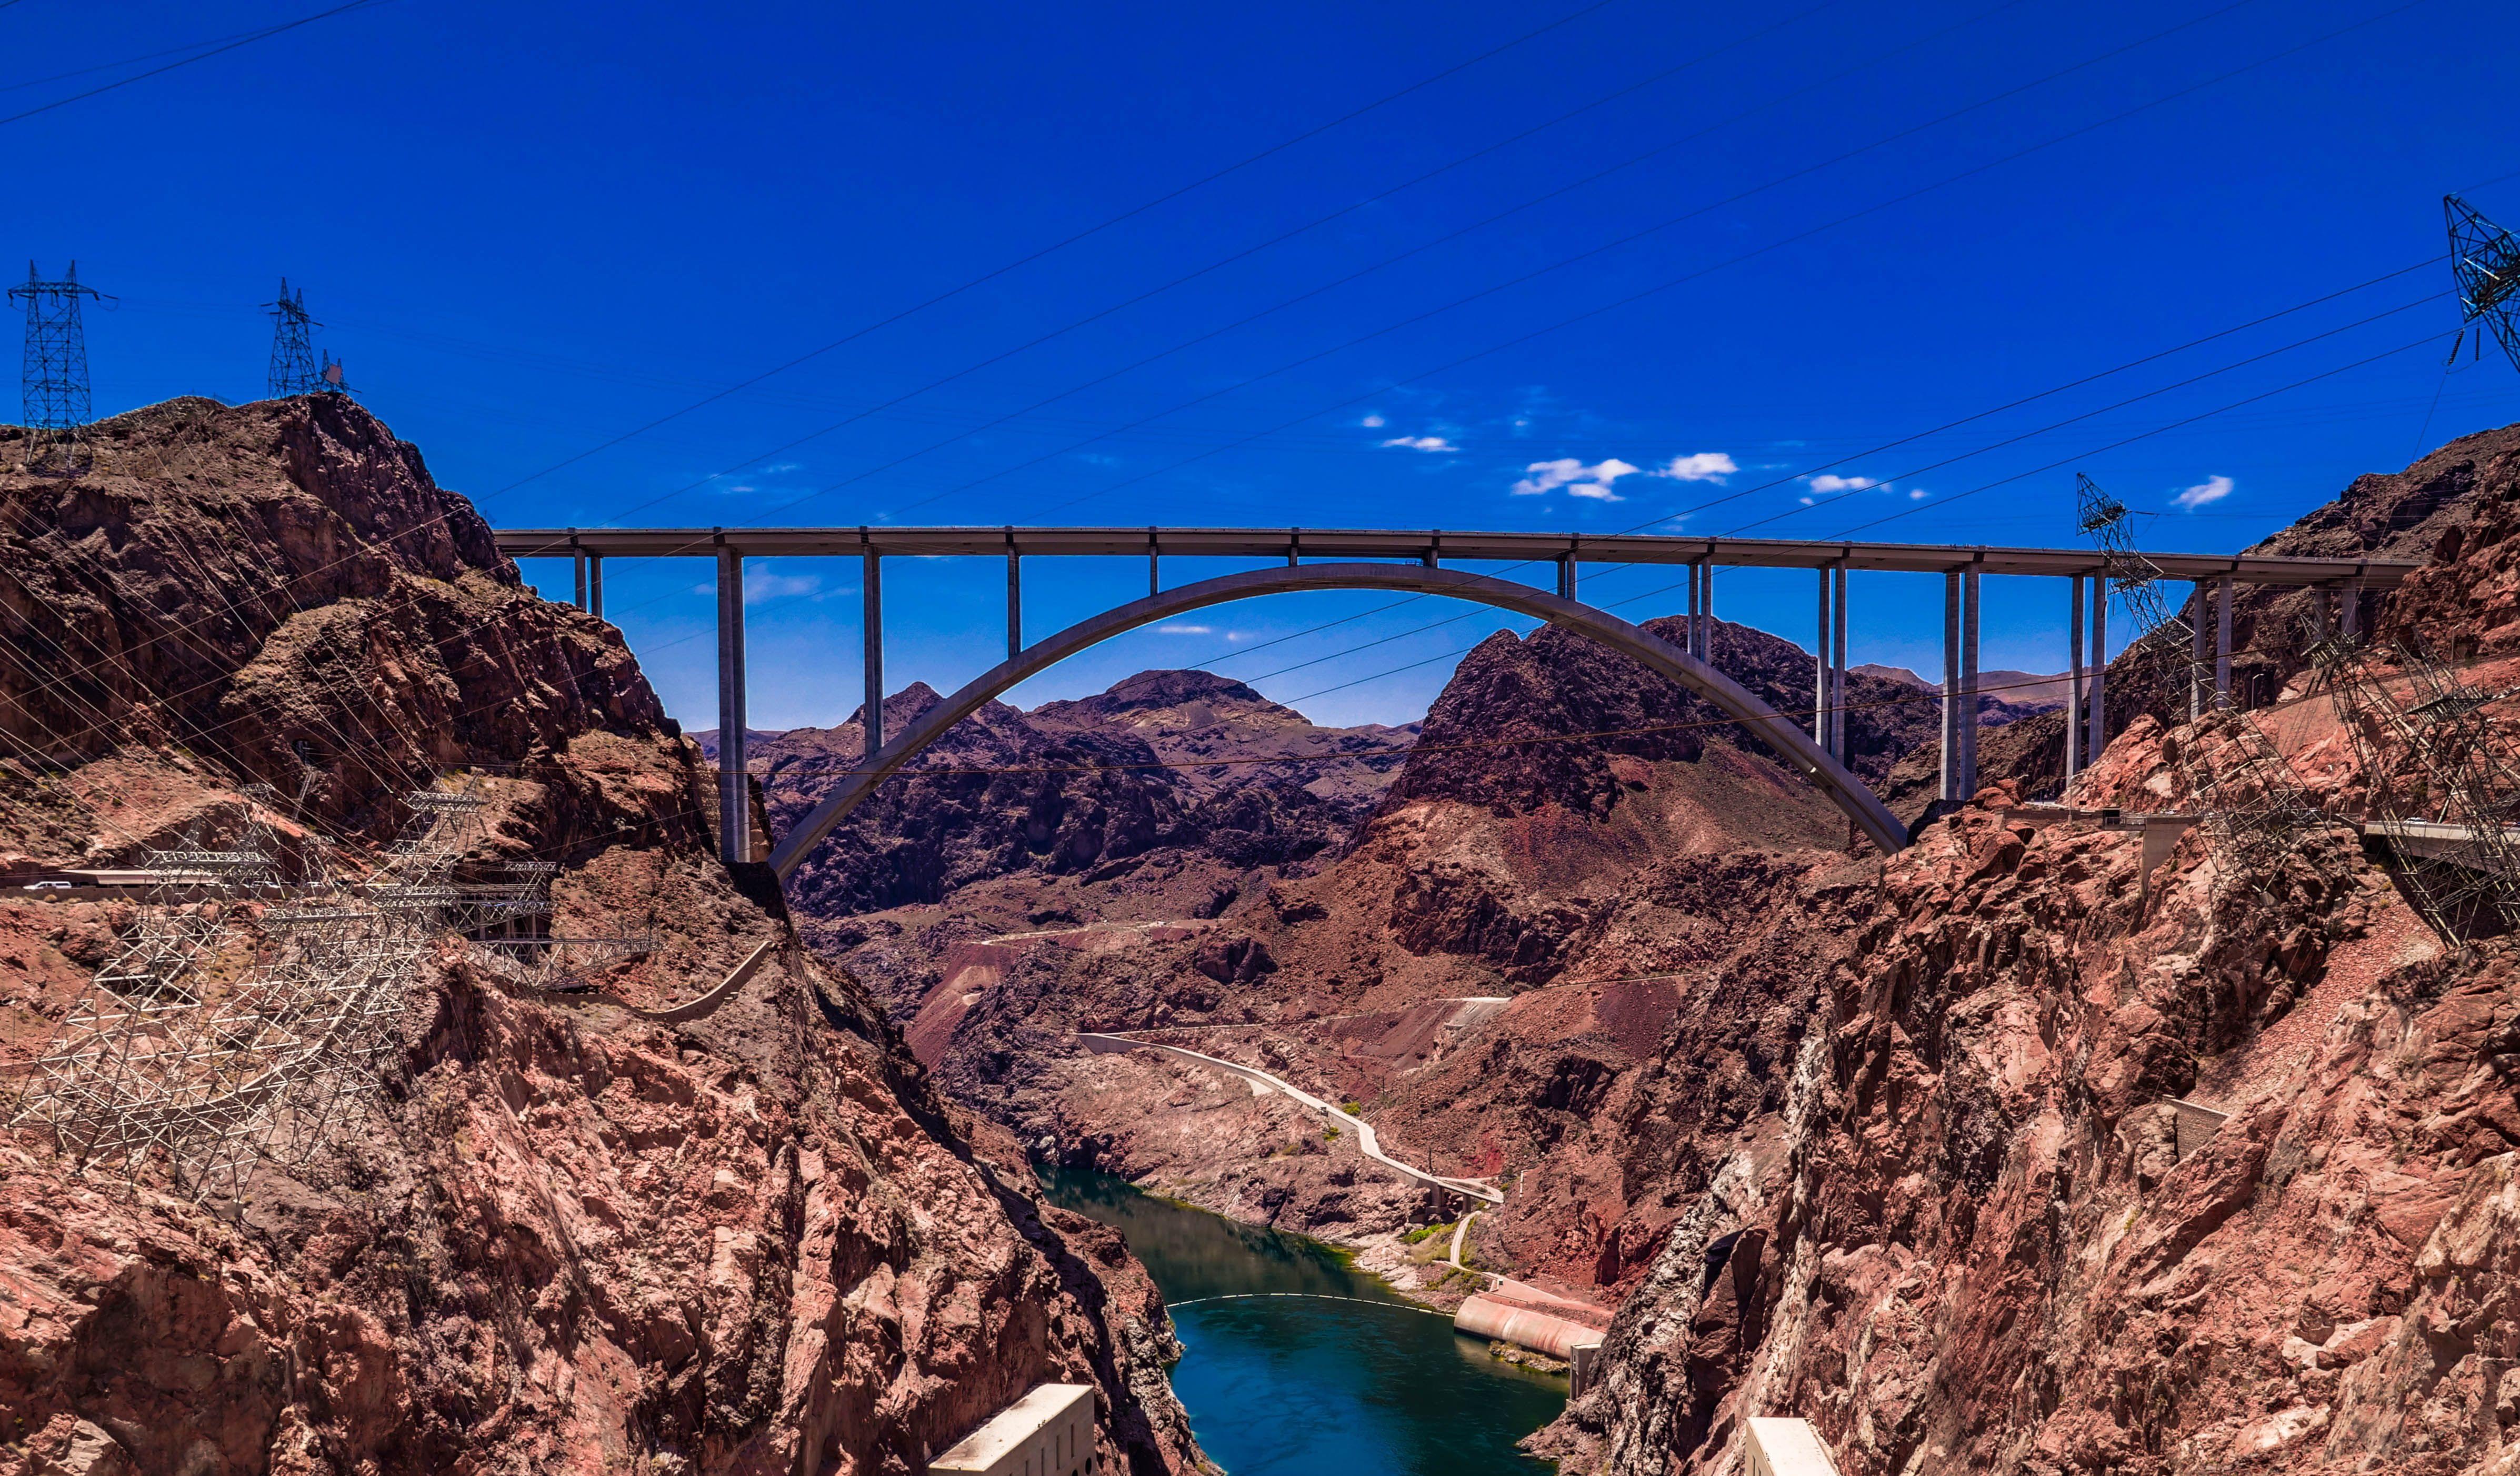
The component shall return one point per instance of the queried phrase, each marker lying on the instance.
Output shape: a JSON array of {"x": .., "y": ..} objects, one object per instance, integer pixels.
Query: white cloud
[
  {"x": 762, "y": 586},
  {"x": 1373, "y": 423},
  {"x": 1806, "y": 502},
  {"x": 1702, "y": 467},
  {"x": 1915, "y": 494},
  {"x": 1422, "y": 443},
  {"x": 1824, "y": 483},
  {"x": 2210, "y": 489},
  {"x": 1186, "y": 630},
  {"x": 1578, "y": 479}
]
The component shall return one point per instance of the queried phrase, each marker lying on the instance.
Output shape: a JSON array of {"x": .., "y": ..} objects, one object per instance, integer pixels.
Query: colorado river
[{"x": 1277, "y": 1385}]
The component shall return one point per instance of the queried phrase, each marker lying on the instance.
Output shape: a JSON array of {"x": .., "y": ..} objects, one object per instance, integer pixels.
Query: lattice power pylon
[
  {"x": 2254, "y": 810},
  {"x": 2444, "y": 780},
  {"x": 292, "y": 345},
  {"x": 54, "y": 376},
  {"x": 177, "y": 1056},
  {"x": 295, "y": 368},
  {"x": 2485, "y": 259}
]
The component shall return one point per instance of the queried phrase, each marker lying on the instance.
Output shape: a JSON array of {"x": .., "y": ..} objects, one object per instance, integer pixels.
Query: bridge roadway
[{"x": 1381, "y": 558}]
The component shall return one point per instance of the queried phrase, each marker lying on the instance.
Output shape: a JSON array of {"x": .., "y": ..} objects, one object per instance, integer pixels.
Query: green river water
[{"x": 1344, "y": 1379}]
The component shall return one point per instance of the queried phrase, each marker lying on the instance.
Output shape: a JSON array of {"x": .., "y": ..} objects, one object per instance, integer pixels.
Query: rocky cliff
[
  {"x": 2085, "y": 1171},
  {"x": 1489, "y": 964},
  {"x": 558, "y": 1236},
  {"x": 1179, "y": 762}
]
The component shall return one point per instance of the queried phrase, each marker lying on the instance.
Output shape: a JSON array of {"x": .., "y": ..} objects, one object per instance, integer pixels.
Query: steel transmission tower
[
  {"x": 293, "y": 348},
  {"x": 2254, "y": 810},
  {"x": 55, "y": 378},
  {"x": 2486, "y": 260},
  {"x": 2444, "y": 780},
  {"x": 294, "y": 367}
]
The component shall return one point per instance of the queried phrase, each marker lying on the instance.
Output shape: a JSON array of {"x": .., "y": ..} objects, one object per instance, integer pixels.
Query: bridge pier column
[
  {"x": 594, "y": 584},
  {"x": 2223, "y": 641},
  {"x": 1014, "y": 597},
  {"x": 1706, "y": 612},
  {"x": 1838, "y": 676},
  {"x": 2199, "y": 606},
  {"x": 1950, "y": 774},
  {"x": 873, "y": 583},
  {"x": 2074, "y": 683},
  {"x": 1154, "y": 576},
  {"x": 1691, "y": 632},
  {"x": 1968, "y": 683},
  {"x": 579, "y": 557},
  {"x": 2099, "y": 720},
  {"x": 734, "y": 795},
  {"x": 1821, "y": 666},
  {"x": 1566, "y": 576},
  {"x": 2351, "y": 597}
]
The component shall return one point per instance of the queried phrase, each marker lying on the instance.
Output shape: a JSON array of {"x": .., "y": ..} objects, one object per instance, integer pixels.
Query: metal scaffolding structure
[
  {"x": 2444, "y": 780},
  {"x": 224, "y": 1032},
  {"x": 2254, "y": 810}
]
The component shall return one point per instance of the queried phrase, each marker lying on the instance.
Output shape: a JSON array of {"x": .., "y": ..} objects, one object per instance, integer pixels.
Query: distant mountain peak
[{"x": 1173, "y": 688}]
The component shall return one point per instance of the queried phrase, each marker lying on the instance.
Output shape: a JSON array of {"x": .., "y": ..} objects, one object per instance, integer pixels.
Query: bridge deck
[{"x": 1418, "y": 544}]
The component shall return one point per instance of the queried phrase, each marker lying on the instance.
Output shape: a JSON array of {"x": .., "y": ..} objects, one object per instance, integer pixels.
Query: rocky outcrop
[
  {"x": 2081, "y": 1175},
  {"x": 1486, "y": 741},
  {"x": 556, "y": 1236},
  {"x": 2457, "y": 510},
  {"x": 1073, "y": 788}
]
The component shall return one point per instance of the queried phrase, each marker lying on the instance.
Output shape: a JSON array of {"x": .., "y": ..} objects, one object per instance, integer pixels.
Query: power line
[
  {"x": 146, "y": 56},
  {"x": 1065, "y": 242},
  {"x": 2065, "y": 134},
  {"x": 1613, "y": 306},
  {"x": 1625, "y": 301},
  {"x": 1560, "y": 264},
  {"x": 1871, "y": 485},
  {"x": 849, "y": 768},
  {"x": 1330, "y": 285},
  {"x": 1884, "y": 446},
  {"x": 1940, "y": 502},
  {"x": 2388, "y": 353},
  {"x": 248, "y": 39}
]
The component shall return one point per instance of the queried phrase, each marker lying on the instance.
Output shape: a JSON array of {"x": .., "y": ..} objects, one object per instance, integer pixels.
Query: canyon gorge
[{"x": 1893, "y": 1143}]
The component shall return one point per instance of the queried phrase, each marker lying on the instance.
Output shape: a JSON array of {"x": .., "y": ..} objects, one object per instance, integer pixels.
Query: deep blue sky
[{"x": 528, "y": 229}]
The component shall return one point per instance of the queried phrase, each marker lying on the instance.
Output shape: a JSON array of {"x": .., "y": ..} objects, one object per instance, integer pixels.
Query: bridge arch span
[{"x": 1783, "y": 738}]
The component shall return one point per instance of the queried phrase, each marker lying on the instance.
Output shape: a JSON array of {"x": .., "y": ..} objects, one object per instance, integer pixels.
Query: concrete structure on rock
[
  {"x": 1786, "y": 1447},
  {"x": 1049, "y": 1432}
]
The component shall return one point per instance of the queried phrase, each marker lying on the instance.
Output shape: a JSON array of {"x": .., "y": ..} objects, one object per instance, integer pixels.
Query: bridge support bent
[
  {"x": 734, "y": 793},
  {"x": 1781, "y": 734}
]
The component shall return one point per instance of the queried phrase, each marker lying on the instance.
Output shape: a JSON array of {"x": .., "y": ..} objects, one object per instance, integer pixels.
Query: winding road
[{"x": 1112, "y": 1045}]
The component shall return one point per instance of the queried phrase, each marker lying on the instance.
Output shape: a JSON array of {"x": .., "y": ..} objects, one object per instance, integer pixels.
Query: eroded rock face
[
  {"x": 559, "y": 1236},
  {"x": 2456, "y": 510},
  {"x": 2001, "y": 1235},
  {"x": 1555, "y": 682},
  {"x": 1490, "y": 966},
  {"x": 1082, "y": 788}
]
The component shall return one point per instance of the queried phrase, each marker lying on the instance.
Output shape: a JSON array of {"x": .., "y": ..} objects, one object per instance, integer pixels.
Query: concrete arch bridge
[{"x": 1414, "y": 561}]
